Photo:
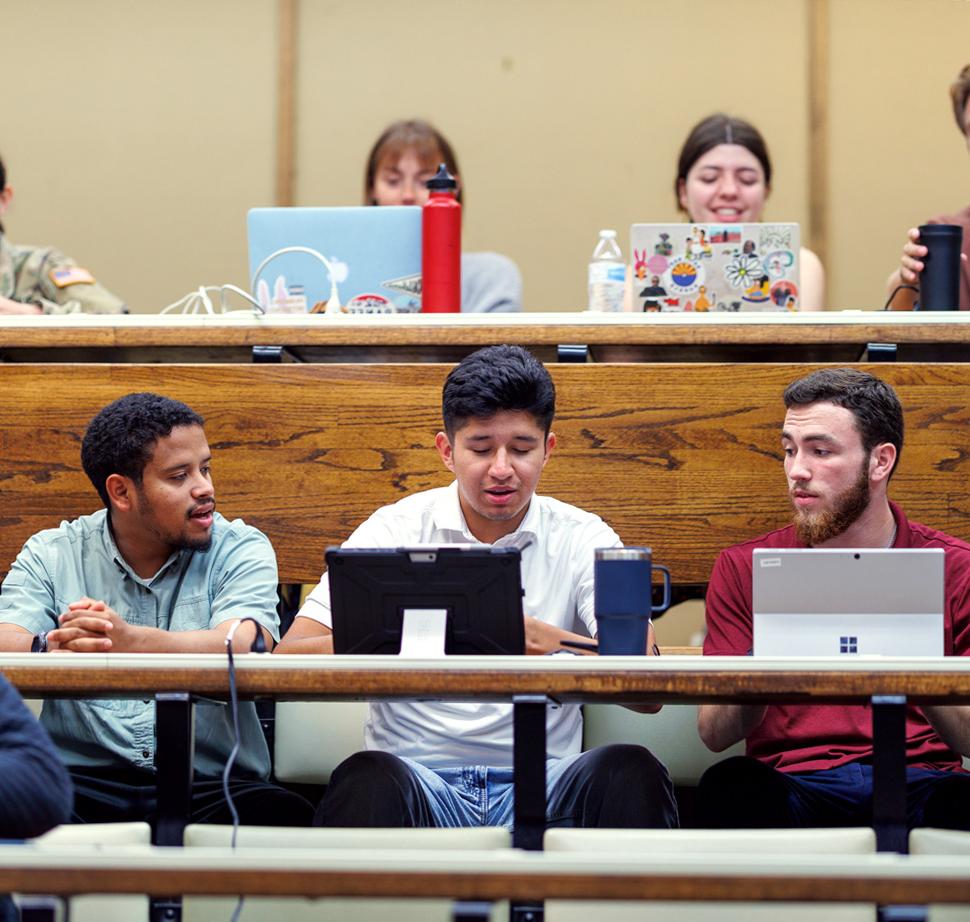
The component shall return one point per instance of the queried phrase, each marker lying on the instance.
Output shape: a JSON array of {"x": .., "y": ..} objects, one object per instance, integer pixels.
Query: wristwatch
[{"x": 39, "y": 643}]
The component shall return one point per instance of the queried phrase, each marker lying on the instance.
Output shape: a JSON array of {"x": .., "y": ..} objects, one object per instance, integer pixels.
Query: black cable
[
  {"x": 258, "y": 646},
  {"x": 896, "y": 291}
]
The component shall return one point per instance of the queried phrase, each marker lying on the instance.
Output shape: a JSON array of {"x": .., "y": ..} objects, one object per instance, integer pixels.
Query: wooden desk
[
  {"x": 825, "y": 337},
  {"x": 615, "y": 679},
  {"x": 486, "y": 875},
  {"x": 530, "y": 683}
]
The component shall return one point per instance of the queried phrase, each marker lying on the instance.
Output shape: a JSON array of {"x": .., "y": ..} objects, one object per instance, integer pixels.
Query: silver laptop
[
  {"x": 715, "y": 267},
  {"x": 851, "y": 602}
]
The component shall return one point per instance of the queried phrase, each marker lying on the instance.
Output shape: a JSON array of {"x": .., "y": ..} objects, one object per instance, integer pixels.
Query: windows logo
[{"x": 849, "y": 644}]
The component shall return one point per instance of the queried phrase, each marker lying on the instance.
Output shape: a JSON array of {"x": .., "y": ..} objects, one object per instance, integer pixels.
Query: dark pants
[
  {"x": 611, "y": 786},
  {"x": 744, "y": 793},
  {"x": 113, "y": 795}
]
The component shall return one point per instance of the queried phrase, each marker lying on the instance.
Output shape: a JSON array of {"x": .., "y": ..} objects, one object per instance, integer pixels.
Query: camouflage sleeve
[{"x": 66, "y": 288}]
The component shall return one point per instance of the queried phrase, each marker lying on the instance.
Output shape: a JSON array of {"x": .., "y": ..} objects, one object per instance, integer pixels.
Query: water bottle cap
[
  {"x": 442, "y": 179},
  {"x": 608, "y": 234}
]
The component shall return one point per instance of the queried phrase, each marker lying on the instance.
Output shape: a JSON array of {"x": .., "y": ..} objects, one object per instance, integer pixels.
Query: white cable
[
  {"x": 333, "y": 303},
  {"x": 232, "y": 632},
  {"x": 245, "y": 295},
  {"x": 199, "y": 301},
  {"x": 205, "y": 301},
  {"x": 190, "y": 303},
  {"x": 180, "y": 303}
]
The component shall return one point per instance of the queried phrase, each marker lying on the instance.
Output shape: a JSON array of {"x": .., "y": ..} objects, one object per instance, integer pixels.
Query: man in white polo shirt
[{"x": 450, "y": 764}]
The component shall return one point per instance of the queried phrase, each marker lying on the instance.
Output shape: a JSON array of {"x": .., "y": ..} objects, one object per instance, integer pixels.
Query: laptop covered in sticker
[
  {"x": 375, "y": 254},
  {"x": 715, "y": 267},
  {"x": 848, "y": 601}
]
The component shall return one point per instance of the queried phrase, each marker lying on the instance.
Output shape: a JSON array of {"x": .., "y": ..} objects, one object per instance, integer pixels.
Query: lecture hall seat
[
  {"x": 711, "y": 842},
  {"x": 273, "y": 909}
]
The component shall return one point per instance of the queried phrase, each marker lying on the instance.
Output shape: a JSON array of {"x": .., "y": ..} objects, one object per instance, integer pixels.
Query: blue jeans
[
  {"x": 611, "y": 786},
  {"x": 742, "y": 792}
]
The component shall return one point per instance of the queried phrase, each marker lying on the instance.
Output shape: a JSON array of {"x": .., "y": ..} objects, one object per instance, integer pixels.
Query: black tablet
[{"x": 479, "y": 588}]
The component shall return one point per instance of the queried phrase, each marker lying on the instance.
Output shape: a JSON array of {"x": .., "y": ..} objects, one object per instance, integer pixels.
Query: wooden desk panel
[
  {"x": 487, "y": 875},
  {"x": 604, "y": 680},
  {"x": 830, "y": 336},
  {"x": 683, "y": 458}
]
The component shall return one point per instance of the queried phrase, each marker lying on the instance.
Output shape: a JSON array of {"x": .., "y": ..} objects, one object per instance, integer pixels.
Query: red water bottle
[{"x": 441, "y": 246}]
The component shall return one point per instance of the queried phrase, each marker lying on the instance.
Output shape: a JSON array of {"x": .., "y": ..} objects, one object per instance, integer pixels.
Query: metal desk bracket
[
  {"x": 889, "y": 773},
  {"x": 529, "y": 770},
  {"x": 570, "y": 352},
  {"x": 174, "y": 751},
  {"x": 471, "y": 911},
  {"x": 529, "y": 774},
  {"x": 174, "y": 745},
  {"x": 273, "y": 355},
  {"x": 902, "y": 914},
  {"x": 880, "y": 352}
]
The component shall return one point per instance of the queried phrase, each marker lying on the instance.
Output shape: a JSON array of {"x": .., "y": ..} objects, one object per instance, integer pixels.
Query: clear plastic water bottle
[{"x": 607, "y": 274}]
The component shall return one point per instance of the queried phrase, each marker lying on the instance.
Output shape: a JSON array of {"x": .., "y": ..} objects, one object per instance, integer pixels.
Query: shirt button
[{"x": 146, "y": 753}]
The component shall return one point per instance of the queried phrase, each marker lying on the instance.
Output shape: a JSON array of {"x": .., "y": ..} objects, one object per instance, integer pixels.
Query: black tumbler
[{"x": 939, "y": 282}]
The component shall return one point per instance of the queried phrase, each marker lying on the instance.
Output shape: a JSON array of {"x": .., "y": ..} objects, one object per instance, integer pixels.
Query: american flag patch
[{"x": 71, "y": 275}]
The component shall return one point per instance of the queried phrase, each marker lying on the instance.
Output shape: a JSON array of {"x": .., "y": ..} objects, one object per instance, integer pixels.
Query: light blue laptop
[{"x": 375, "y": 254}]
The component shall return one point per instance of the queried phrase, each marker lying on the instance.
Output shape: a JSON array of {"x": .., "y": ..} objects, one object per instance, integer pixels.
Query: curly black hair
[{"x": 121, "y": 438}]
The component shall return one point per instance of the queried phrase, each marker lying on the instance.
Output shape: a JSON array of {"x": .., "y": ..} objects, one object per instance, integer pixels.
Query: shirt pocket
[{"x": 191, "y": 613}]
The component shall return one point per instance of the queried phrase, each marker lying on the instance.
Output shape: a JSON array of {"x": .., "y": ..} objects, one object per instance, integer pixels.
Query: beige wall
[
  {"x": 896, "y": 158},
  {"x": 143, "y": 132},
  {"x": 137, "y": 134}
]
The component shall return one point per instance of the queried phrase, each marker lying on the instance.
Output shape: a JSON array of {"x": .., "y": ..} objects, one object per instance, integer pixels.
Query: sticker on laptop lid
[
  {"x": 685, "y": 277},
  {"x": 785, "y": 294},
  {"x": 775, "y": 237},
  {"x": 769, "y": 561}
]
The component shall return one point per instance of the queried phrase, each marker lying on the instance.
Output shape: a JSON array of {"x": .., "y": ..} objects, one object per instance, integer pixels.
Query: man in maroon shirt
[{"x": 811, "y": 765}]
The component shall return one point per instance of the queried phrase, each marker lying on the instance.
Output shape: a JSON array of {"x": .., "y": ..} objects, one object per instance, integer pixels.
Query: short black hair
[
  {"x": 121, "y": 438},
  {"x": 497, "y": 378},
  {"x": 874, "y": 404}
]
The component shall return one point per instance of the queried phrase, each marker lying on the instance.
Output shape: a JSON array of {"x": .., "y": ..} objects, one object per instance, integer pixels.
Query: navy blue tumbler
[
  {"x": 939, "y": 282},
  {"x": 623, "y": 599}
]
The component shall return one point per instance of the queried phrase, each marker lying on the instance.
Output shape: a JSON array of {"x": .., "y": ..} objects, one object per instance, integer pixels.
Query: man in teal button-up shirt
[{"x": 157, "y": 571}]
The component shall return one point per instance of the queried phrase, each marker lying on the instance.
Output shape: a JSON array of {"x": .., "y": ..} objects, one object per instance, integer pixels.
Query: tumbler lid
[
  {"x": 623, "y": 553},
  {"x": 940, "y": 230}
]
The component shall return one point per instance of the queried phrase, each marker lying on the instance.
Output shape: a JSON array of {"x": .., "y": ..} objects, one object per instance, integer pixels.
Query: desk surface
[
  {"x": 565, "y": 678},
  {"x": 438, "y": 337},
  {"x": 487, "y": 875}
]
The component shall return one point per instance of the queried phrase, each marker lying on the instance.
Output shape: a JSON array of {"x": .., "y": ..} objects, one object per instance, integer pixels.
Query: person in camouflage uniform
[{"x": 42, "y": 280}]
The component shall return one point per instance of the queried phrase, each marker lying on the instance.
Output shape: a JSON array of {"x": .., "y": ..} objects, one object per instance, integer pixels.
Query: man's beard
[
  {"x": 814, "y": 528},
  {"x": 184, "y": 543},
  {"x": 177, "y": 541}
]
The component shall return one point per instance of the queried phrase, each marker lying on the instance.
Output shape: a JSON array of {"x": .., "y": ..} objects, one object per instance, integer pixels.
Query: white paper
[{"x": 423, "y": 632}]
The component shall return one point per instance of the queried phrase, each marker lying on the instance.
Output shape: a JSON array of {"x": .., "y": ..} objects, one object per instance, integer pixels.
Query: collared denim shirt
[{"x": 194, "y": 590}]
